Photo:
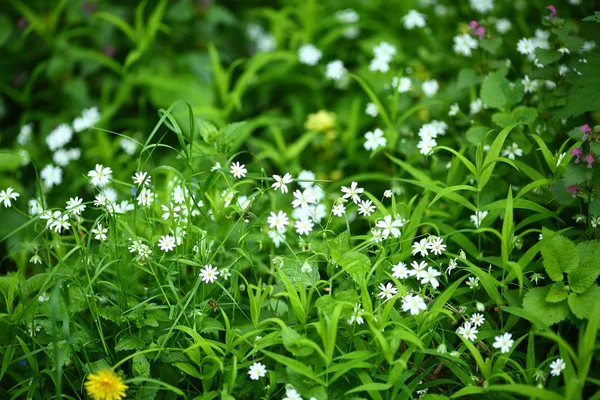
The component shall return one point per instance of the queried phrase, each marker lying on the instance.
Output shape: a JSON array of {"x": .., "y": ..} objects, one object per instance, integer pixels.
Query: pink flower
[
  {"x": 479, "y": 31},
  {"x": 589, "y": 159},
  {"x": 552, "y": 11},
  {"x": 473, "y": 24},
  {"x": 573, "y": 189},
  {"x": 576, "y": 152},
  {"x": 585, "y": 129}
]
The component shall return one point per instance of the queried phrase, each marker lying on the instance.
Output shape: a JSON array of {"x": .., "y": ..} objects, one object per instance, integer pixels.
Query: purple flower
[
  {"x": 576, "y": 152},
  {"x": 479, "y": 31},
  {"x": 473, "y": 24},
  {"x": 573, "y": 189},
  {"x": 589, "y": 159},
  {"x": 552, "y": 11}
]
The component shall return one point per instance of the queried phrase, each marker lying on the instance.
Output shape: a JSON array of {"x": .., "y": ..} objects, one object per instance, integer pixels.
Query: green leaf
[
  {"x": 292, "y": 342},
  {"x": 584, "y": 304},
  {"x": 494, "y": 90},
  {"x": 491, "y": 45},
  {"x": 129, "y": 343},
  {"x": 524, "y": 115},
  {"x": 295, "y": 365},
  {"x": 188, "y": 369},
  {"x": 576, "y": 174},
  {"x": 356, "y": 264},
  {"x": 559, "y": 254},
  {"x": 141, "y": 366},
  {"x": 547, "y": 56},
  {"x": 467, "y": 78},
  {"x": 6, "y": 29},
  {"x": 476, "y": 134},
  {"x": 583, "y": 275},
  {"x": 493, "y": 153},
  {"x": 583, "y": 96},
  {"x": 503, "y": 119},
  {"x": 301, "y": 271},
  {"x": 557, "y": 293},
  {"x": 535, "y": 303},
  {"x": 9, "y": 161}
]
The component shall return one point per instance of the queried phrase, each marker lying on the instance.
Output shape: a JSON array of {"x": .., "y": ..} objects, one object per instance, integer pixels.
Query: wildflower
[
  {"x": 418, "y": 268},
  {"x": 477, "y": 319},
  {"x": 305, "y": 179},
  {"x": 366, "y": 208},
  {"x": 209, "y": 274},
  {"x": 292, "y": 394},
  {"x": 25, "y": 134},
  {"x": 526, "y": 46},
  {"x": 589, "y": 159},
  {"x": 552, "y": 11},
  {"x": 387, "y": 194},
  {"x": 482, "y": 6},
  {"x": 399, "y": 271},
  {"x": 281, "y": 182},
  {"x": 335, "y": 70},
  {"x": 372, "y": 110},
  {"x": 476, "y": 106},
  {"x": 414, "y": 304},
  {"x": 238, "y": 170},
  {"x": 473, "y": 282},
  {"x": 557, "y": 366},
  {"x": 503, "y": 342},
  {"x": 426, "y": 146},
  {"x": 105, "y": 385},
  {"x": 390, "y": 227},
  {"x": 387, "y": 291},
  {"x": 146, "y": 197},
  {"x": 128, "y": 145},
  {"x": 348, "y": 16},
  {"x": 321, "y": 121},
  {"x": 89, "y": 117},
  {"x": 302, "y": 199},
  {"x": 166, "y": 243},
  {"x": 357, "y": 314},
  {"x": 468, "y": 331},
  {"x": 436, "y": 246},
  {"x": 257, "y": 371},
  {"x": 100, "y": 176},
  {"x": 170, "y": 210},
  {"x": 414, "y": 19},
  {"x": 141, "y": 178},
  {"x": 404, "y": 84},
  {"x": 61, "y": 221},
  {"x": 377, "y": 235},
  {"x": 512, "y": 151},
  {"x": 352, "y": 192},
  {"x": 304, "y": 226},
  {"x": 35, "y": 259},
  {"x": 451, "y": 265},
  {"x": 309, "y": 54},
  {"x": 99, "y": 233},
  {"x": 586, "y": 129},
  {"x": 463, "y": 44},
  {"x": 375, "y": 139},
  {"x": 420, "y": 247},
  {"x": 8, "y": 195},
  {"x": 74, "y": 205},
  {"x": 478, "y": 217},
  {"x": 430, "y": 276},
  {"x": 454, "y": 110},
  {"x": 338, "y": 210},
  {"x": 529, "y": 86},
  {"x": 59, "y": 137},
  {"x": 278, "y": 221},
  {"x": 51, "y": 175},
  {"x": 503, "y": 25},
  {"x": 480, "y": 306},
  {"x": 430, "y": 87}
]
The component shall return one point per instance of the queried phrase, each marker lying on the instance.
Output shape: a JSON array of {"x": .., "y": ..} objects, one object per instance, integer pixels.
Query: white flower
[
  {"x": 503, "y": 25},
  {"x": 468, "y": 332},
  {"x": 292, "y": 394},
  {"x": 6, "y": 196},
  {"x": 430, "y": 276},
  {"x": 166, "y": 243},
  {"x": 168, "y": 210},
  {"x": 420, "y": 247},
  {"x": 338, "y": 210},
  {"x": 380, "y": 64},
  {"x": 503, "y": 342},
  {"x": 309, "y": 54},
  {"x": 366, "y": 207},
  {"x": 51, "y": 175},
  {"x": 209, "y": 274},
  {"x": 277, "y": 236},
  {"x": 99, "y": 233},
  {"x": 141, "y": 178},
  {"x": 74, "y": 205},
  {"x": 390, "y": 227},
  {"x": 257, "y": 371},
  {"x": 414, "y": 304},
  {"x": 387, "y": 194},
  {"x": 265, "y": 43},
  {"x": 25, "y": 134},
  {"x": 482, "y": 6},
  {"x": 347, "y": 16},
  {"x": 238, "y": 170},
  {"x": 372, "y": 110},
  {"x": 352, "y": 192},
  {"x": 59, "y": 137},
  {"x": 35, "y": 206},
  {"x": 304, "y": 226},
  {"x": 89, "y": 118},
  {"x": 436, "y": 246},
  {"x": 476, "y": 106},
  {"x": 478, "y": 217},
  {"x": 529, "y": 86},
  {"x": 557, "y": 366},
  {"x": 42, "y": 298},
  {"x": 306, "y": 176},
  {"x": 454, "y": 110},
  {"x": 128, "y": 145},
  {"x": 302, "y": 199},
  {"x": 278, "y": 221},
  {"x": 473, "y": 282},
  {"x": 375, "y": 139},
  {"x": 145, "y": 198},
  {"x": 387, "y": 291},
  {"x": 526, "y": 46},
  {"x": 430, "y": 87},
  {"x": 399, "y": 271},
  {"x": 377, "y": 235},
  {"x": 463, "y": 44},
  {"x": 563, "y": 69},
  {"x": 477, "y": 320},
  {"x": 281, "y": 182},
  {"x": 414, "y": 19},
  {"x": 357, "y": 314},
  {"x": 100, "y": 176},
  {"x": 512, "y": 151},
  {"x": 384, "y": 50},
  {"x": 335, "y": 70},
  {"x": 404, "y": 85},
  {"x": 418, "y": 269},
  {"x": 60, "y": 222}
]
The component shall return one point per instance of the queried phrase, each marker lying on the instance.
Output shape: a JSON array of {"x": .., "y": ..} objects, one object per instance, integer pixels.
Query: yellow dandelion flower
[{"x": 106, "y": 385}]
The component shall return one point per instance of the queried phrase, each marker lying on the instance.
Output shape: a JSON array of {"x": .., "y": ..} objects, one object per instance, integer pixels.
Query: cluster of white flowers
[
  {"x": 414, "y": 19},
  {"x": 309, "y": 54},
  {"x": 349, "y": 17},
  {"x": 527, "y": 46},
  {"x": 402, "y": 84},
  {"x": 383, "y": 52},
  {"x": 263, "y": 42},
  {"x": 464, "y": 44},
  {"x": 428, "y": 134}
]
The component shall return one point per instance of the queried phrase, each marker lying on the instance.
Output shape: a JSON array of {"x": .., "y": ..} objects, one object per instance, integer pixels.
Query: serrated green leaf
[
  {"x": 356, "y": 264},
  {"x": 585, "y": 273},
  {"x": 535, "y": 303},
  {"x": 301, "y": 271},
  {"x": 491, "y": 45},
  {"x": 292, "y": 342},
  {"x": 141, "y": 366},
  {"x": 576, "y": 174},
  {"x": 584, "y": 304},
  {"x": 476, "y": 134},
  {"x": 494, "y": 90},
  {"x": 557, "y": 293},
  {"x": 559, "y": 255},
  {"x": 547, "y": 56},
  {"x": 129, "y": 343}
]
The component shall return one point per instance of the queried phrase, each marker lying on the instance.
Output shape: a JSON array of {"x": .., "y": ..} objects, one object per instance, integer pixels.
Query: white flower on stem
[
  {"x": 377, "y": 235},
  {"x": 74, "y": 205},
  {"x": 366, "y": 208},
  {"x": 418, "y": 268},
  {"x": 99, "y": 233},
  {"x": 257, "y": 371},
  {"x": 145, "y": 198},
  {"x": 454, "y": 110},
  {"x": 426, "y": 146},
  {"x": 430, "y": 276},
  {"x": 478, "y": 217},
  {"x": 100, "y": 176},
  {"x": 421, "y": 246},
  {"x": 375, "y": 139},
  {"x": 503, "y": 25},
  {"x": 463, "y": 44},
  {"x": 89, "y": 117},
  {"x": 399, "y": 271},
  {"x": 278, "y": 221},
  {"x": 335, "y": 70},
  {"x": 436, "y": 246},
  {"x": 209, "y": 274},
  {"x": 61, "y": 221},
  {"x": 59, "y": 137},
  {"x": 430, "y": 87},
  {"x": 309, "y": 54},
  {"x": 306, "y": 179},
  {"x": 414, "y": 19},
  {"x": 404, "y": 84},
  {"x": 238, "y": 170},
  {"x": 389, "y": 226},
  {"x": 170, "y": 210},
  {"x": 338, "y": 209},
  {"x": 302, "y": 199},
  {"x": 357, "y": 314},
  {"x": 414, "y": 304},
  {"x": 387, "y": 291},
  {"x": 166, "y": 243},
  {"x": 476, "y": 106},
  {"x": 372, "y": 110},
  {"x": 468, "y": 331},
  {"x": 477, "y": 319},
  {"x": 557, "y": 366},
  {"x": 352, "y": 192},
  {"x": 503, "y": 342},
  {"x": 473, "y": 282},
  {"x": 526, "y": 46},
  {"x": 141, "y": 178},
  {"x": 512, "y": 151},
  {"x": 387, "y": 194},
  {"x": 304, "y": 226},
  {"x": 281, "y": 182},
  {"x": 8, "y": 195},
  {"x": 530, "y": 86},
  {"x": 51, "y": 175},
  {"x": 42, "y": 298}
]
